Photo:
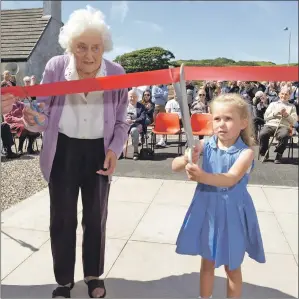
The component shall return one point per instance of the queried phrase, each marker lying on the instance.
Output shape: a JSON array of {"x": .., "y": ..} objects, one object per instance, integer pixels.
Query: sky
[{"x": 239, "y": 30}]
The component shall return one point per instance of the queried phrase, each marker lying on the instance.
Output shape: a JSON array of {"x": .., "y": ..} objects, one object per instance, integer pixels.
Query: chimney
[{"x": 53, "y": 9}]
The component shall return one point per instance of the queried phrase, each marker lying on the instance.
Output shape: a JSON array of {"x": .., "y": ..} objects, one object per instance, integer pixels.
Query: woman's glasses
[
  {"x": 147, "y": 95},
  {"x": 202, "y": 95}
]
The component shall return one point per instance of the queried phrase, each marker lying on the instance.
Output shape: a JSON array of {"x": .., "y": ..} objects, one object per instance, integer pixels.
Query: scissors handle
[
  {"x": 188, "y": 153},
  {"x": 35, "y": 107}
]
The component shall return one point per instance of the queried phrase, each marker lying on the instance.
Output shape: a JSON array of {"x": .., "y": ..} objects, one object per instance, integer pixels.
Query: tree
[
  {"x": 221, "y": 61},
  {"x": 148, "y": 59}
]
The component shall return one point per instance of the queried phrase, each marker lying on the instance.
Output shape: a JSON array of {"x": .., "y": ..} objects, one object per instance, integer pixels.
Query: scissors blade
[
  {"x": 185, "y": 109},
  {"x": 181, "y": 94}
]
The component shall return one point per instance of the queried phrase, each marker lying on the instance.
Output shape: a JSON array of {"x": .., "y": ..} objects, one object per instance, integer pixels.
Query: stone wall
[{"x": 46, "y": 48}]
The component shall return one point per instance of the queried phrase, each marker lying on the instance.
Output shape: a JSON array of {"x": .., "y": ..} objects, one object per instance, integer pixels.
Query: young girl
[{"x": 221, "y": 223}]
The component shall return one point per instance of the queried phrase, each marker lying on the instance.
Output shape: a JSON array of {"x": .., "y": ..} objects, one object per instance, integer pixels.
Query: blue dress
[{"x": 221, "y": 223}]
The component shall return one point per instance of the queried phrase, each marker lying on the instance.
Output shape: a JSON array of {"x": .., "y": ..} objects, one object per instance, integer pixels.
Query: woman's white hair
[
  {"x": 26, "y": 78},
  {"x": 80, "y": 21}
]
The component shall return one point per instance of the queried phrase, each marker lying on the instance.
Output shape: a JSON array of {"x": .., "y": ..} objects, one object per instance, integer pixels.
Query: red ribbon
[{"x": 166, "y": 76}]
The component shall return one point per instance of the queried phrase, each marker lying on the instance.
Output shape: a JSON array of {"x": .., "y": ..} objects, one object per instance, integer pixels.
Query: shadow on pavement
[
  {"x": 183, "y": 286},
  {"x": 22, "y": 243}
]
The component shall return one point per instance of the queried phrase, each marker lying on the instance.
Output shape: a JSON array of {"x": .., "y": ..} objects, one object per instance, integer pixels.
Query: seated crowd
[
  {"x": 12, "y": 124},
  {"x": 273, "y": 104}
]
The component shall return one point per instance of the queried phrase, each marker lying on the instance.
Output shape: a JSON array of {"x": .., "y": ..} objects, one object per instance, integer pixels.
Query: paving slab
[
  {"x": 273, "y": 237},
  {"x": 17, "y": 245},
  {"x": 161, "y": 224},
  {"x": 289, "y": 226},
  {"x": 40, "y": 282},
  {"x": 141, "y": 273},
  {"x": 123, "y": 218},
  {"x": 259, "y": 198},
  {"x": 182, "y": 196},
  {"x": 140, "y": 256},
  {"x": 149, "y": 187},
  {"x": 282, "y": 200}
]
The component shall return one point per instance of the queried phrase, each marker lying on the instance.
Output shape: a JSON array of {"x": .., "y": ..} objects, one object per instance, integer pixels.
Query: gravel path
[{"x": 20, "y": 178}]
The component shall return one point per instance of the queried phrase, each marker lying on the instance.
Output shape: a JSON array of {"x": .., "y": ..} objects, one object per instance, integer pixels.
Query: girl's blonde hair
[{"x": 244, "y": 109}]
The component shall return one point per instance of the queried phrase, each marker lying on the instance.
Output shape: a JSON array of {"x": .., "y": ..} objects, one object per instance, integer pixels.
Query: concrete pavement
[{"x": 144, "y": 219}]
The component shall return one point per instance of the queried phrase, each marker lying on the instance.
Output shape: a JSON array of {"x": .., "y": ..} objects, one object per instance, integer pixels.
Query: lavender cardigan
[{"x": 115, "y": 112}]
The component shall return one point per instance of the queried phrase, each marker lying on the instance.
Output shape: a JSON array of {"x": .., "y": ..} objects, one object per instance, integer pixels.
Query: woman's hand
[
  {"x": 7, "y": 100},
  {"x": 109, "y": 164},
  {"x": 29, "y": 115}
]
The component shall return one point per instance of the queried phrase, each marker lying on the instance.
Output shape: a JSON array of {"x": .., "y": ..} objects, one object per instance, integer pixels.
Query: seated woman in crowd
[
  {"x": 173, "y": 106},
  {"x": 149, "y": 106},
  {"x": 16, "y": 122},
  {"x": 249, "y": 89},
  {"x": 7, "y": 141},
  {"x": 272, "y": 91},
  {"x": 276, "y": 111},
  {"x": 7, "y": 79},
  {"x": 294, "y": 100},
  {"x": 200, "y": 105},
  {"x": 136, "y": 115},
  {"x": 234, "y": 88},
  {"x": 260, "y": 104},
  {"x": 218, "y": 88}
]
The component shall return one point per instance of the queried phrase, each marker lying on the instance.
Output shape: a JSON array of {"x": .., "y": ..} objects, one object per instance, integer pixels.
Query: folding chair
[
  {"x": 290, "y": 145},
  {"x": 144, "y": 137},
  {"x": 202, "y": 124},
  {"x": 167, "y": 124}
]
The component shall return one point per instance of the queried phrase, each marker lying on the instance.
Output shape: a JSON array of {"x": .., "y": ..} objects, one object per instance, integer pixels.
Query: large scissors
[
  {"x": 181, "y": 93},
  {"x": 32, "y": 105}
]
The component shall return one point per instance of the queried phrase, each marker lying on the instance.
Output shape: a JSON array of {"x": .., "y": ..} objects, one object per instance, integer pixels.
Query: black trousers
[
  {"x": 282, "y": 137},
  {"x": 6, "y": 136},
  {"x": 75, "y": 164}
]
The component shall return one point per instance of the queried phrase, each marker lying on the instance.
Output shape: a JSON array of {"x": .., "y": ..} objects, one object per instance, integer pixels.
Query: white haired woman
[
  {"x": 84, "y": 135},
  {"x": 27, "y": 81}
]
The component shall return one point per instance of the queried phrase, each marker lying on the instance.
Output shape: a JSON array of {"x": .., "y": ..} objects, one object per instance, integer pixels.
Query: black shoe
[
  {"x": 278, "y": 158},
  {"x": 30, "y": 151},
  {"x": 63, "y": 291},
  {"x": 94, "y": 284},
  {"x": 12, "y": 155},
  {"x": 135, "y": 156}
]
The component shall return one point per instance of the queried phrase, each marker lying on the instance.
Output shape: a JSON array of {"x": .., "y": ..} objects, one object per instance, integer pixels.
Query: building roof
[{"x": 21, "y": 29}]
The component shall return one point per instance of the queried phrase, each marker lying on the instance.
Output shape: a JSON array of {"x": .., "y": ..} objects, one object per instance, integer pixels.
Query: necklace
[{"x": 86, "y": 76}]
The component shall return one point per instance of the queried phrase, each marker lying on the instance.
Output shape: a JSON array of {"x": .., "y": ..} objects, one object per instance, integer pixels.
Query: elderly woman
[
  {"x": 27, "y": 81},
  {"x": 260, "y": 105},
  {"x": 84, "y": 135},
  {"x": 7, "y": 79},
  {"x": 7, "y": 101},
  {"x": 15, "y": 120},
  {"x": 149, "y": 106},
  {"x": 136, "y": 115},
  {"x": 281, "y": 114},
  {"x": 200, "y": 105}
]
